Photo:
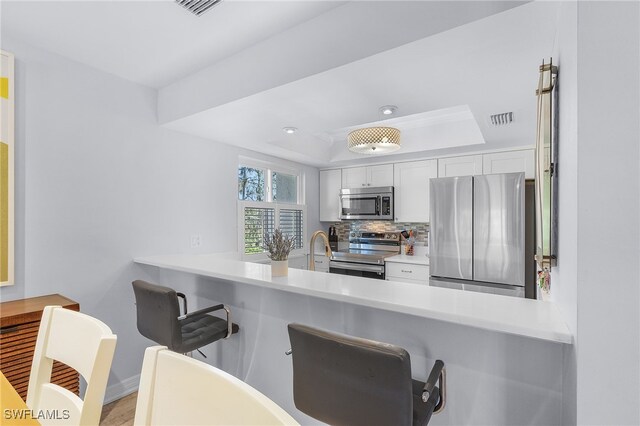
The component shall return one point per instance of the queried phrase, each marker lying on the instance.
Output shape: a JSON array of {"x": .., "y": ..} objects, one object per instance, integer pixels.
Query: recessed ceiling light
[
  {"x": 289, "y": 130},
  {"x": 388, "y": 109}
]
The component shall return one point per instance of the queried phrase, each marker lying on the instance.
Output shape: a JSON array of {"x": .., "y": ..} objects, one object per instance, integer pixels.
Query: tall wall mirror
[{"x": 546, "y": 168}]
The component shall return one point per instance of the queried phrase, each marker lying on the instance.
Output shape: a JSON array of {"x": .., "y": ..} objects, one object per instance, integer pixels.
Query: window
[
  {"x": 284, "y": 187},
  {"x": 269, "y": 197},
  {"x": 251, "y": 184}
]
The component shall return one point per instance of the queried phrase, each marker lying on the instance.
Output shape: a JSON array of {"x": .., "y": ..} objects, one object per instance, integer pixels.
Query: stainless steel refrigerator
[{"x": 477, "y": 233}]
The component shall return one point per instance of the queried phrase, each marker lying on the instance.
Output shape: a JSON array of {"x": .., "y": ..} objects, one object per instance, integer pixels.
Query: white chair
[
  {"x": 83, "y": 343},
  {"x": 178, "y": 390}
]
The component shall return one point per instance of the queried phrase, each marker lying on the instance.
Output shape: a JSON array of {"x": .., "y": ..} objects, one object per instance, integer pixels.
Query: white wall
[
  {"x": 565, "y": 275},
  {"x": 99, "y": 182},
  {"x": 596, "y": 284},
  {"x": 608, "y": 344}
]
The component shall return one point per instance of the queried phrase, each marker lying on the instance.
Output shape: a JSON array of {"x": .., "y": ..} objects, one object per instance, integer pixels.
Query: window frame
[{"x": 269, "y": 168}]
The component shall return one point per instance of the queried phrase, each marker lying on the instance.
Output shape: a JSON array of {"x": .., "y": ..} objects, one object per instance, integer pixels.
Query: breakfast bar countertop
[{"x": 523, "y": 317}]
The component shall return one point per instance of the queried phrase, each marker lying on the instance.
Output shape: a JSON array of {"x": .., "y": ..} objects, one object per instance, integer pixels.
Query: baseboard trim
[{"x": 122, "y": 389}]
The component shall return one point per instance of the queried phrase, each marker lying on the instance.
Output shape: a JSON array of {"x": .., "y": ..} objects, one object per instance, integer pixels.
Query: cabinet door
[
  {"x": 407, "y": 271},
  {"x": 510, "y": 162},
  {"x": 380, "y": 175},
  {"x": 330, "y": 184},
  {"x": 406, "y": 280},
  {"x": 460, "y": 166},
  {"x": 411, "y": 197},
  {"x": 354, "y": 177}
]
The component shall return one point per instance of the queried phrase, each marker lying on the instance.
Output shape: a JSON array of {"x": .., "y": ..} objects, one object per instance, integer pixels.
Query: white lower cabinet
[
  {"x": 321, "y": 263},
  {"x": 407, "y": 272}
]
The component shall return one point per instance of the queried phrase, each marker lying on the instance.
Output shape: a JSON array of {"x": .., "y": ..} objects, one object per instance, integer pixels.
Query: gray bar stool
[
  {"x": 345, "y": 380},
  {"x": 159, "y": 319}
]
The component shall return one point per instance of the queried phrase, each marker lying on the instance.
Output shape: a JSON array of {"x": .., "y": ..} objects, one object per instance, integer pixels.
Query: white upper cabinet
[
  {"x": 411, "y": 185},
  {"x": 330, "y": 184},
  {"x": 510, "y": 162},
  {"x": 411, "y": 180},
  {"x": 468, "y": 165},
  {"x": 357, "y": 177},
  {"x": 354, "y": 177},
  {"x": 380, "y": 175}
]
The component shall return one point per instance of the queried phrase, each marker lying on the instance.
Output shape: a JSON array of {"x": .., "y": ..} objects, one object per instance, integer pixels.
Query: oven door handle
[{"x": 356, "y": 267}]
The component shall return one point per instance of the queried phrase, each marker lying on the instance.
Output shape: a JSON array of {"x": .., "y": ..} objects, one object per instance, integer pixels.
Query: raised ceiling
[
  {"x": 244, "y": 70},
  {"x": 489, "y": 65}
]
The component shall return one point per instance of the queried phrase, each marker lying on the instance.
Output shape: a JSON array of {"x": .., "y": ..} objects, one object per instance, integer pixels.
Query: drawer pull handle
[{"x": 406, "y": 272}]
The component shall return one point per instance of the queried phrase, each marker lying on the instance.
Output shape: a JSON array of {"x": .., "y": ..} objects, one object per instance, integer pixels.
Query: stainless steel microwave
[{"x": 367, "y": 203}]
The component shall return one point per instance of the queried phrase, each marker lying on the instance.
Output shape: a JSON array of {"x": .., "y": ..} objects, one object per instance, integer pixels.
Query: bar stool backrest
[{"x": 344, "y": 380}]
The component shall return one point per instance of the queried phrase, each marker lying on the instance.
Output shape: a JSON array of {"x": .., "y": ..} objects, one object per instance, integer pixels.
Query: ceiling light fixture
[
  {"x": 388, "y": 109},
  {"x": 374, "y": 140},
  {"x": 289, "y": 130}
]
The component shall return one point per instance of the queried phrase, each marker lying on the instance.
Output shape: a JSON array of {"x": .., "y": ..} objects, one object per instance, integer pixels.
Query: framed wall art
[{"x": 7, "y": 123}]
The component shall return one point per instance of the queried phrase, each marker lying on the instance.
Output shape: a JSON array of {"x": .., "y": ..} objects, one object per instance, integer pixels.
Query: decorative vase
[{"x": 279, "y": 268}]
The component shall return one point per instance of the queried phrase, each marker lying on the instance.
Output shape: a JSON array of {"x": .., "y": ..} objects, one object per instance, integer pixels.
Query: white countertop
[
  {"x": 524, "y": 317},
  {"x": 414, "y": 260}
]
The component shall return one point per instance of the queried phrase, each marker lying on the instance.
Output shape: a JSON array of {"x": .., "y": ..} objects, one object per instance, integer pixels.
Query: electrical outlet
[{"x": 196, "y": 240}]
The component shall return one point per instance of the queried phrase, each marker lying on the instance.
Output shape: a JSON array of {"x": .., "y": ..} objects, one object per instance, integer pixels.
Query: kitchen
[
  {"x": 407, "y": 193},
  {"x": 119, "y": 159}
]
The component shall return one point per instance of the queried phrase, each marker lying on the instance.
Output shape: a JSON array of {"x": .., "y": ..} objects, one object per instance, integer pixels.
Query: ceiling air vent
[
  {"x": 501, "y": 119},
  {"x": 197, "y": 7}
]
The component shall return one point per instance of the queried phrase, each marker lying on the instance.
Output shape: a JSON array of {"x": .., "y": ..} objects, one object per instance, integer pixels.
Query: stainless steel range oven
[{"x": 366, "y": 254}]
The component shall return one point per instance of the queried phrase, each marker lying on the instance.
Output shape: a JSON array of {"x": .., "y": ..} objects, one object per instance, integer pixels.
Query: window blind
[
  {"x": 258, "y": 221},
  {"x": 291, "y": 224}
]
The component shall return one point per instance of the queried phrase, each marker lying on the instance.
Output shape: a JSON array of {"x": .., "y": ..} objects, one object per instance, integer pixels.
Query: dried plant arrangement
[{"x": 279, "y": 245}]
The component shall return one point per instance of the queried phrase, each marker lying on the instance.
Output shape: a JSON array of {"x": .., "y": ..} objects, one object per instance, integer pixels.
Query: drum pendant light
[{"x": 374, "y": 140}]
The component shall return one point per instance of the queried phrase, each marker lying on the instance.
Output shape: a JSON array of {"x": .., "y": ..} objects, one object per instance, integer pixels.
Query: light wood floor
[{"x": 120, "y": 412}]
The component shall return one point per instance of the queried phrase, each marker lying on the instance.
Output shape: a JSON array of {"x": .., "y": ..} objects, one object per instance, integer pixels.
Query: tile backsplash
[{"x": 345, "y": 227}]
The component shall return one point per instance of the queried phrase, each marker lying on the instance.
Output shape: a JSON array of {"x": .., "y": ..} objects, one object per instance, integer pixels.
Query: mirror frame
[{"x": 546, "y": 167}]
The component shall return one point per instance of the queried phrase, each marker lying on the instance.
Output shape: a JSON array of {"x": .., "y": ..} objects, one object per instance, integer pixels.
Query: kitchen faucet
[{"x": 327, "y": 248}]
